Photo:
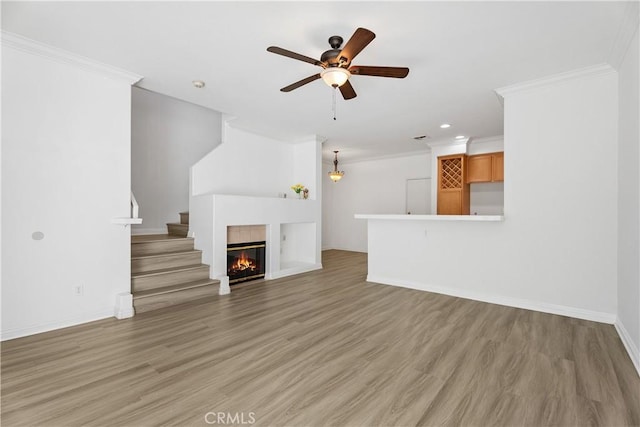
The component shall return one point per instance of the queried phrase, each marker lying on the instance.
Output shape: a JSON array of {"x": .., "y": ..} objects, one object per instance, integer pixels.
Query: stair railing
[
  {"x": 133, "y": 219},
  {"x": 134, "y": 206}
]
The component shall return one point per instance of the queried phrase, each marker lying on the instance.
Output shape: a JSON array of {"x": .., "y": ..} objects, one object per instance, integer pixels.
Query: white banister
[
  {"x": 134, "y": 214},
  {"x": 134, "y": 206}
]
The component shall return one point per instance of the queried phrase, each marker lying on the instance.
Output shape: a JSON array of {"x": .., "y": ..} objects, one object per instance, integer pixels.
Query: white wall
[
  {"x": 246, "y": 164},
  {"x": 372, "y": 187},
  {"x": 65, "y": 173},
  {"x": 168, "y": 136},
  {"x": 327, "y": 207},
  {"x": 629, "y": 202},
  {"x": 556, "y": 249}
]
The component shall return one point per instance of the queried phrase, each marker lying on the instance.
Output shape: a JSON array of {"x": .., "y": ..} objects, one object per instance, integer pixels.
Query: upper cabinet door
[
  {"x": 479, "y": 168},
  {"x": 485, "y": 167},
  {"x": 497, "y": 172}
]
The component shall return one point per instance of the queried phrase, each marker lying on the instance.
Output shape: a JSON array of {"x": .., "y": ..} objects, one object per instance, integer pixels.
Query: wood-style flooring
[{"x": 324, "y": 348}]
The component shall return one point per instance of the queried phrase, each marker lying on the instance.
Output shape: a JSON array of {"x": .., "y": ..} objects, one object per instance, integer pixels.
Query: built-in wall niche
[{"x": 297, "y": 245}]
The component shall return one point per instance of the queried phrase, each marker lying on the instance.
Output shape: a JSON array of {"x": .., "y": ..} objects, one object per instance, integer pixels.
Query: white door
[{"x": 419, "y": 196}]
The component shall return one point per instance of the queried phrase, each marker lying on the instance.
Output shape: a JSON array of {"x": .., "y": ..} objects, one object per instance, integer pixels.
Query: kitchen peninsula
[
  {"x": 554, "y": 251},
  {"x": 457, "y": 255}
]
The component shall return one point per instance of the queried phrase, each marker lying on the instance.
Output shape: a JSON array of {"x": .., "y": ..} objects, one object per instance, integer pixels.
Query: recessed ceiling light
[
  {"x": 198, "y": 83},
  {"x": 445, "y": 125},
  {"x": 460, "y": 137}
]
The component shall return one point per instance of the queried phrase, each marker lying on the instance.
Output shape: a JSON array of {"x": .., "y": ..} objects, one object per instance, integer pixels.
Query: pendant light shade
[{"x": 335, "y": 174}]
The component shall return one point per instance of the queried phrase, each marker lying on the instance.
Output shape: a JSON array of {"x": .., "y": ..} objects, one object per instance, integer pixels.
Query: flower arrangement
[{"x": 299, "y": 188}]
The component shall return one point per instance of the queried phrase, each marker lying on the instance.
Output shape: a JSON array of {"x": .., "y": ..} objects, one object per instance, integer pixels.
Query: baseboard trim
[
  {"x": 562, "y": 310},
  {"x": 632, "y": 350},
  {"x": 124, "y": 306},
  {"x": 294, "y": 270},
  {"x": 334, "y": 248},
  {"x": 58, "y": 324}
]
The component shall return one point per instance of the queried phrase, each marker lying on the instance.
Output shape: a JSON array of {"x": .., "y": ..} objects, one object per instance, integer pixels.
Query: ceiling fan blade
[
  {"x": 365, "y": 70},
  {"x": 347, "y": 91},
  {"x": 358, "y": 41},
  {"x": 293, "y": 55},
  {"x": 302, "y": 82}
]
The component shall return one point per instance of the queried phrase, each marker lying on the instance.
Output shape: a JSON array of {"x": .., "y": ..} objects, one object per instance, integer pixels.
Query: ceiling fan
[{"x": 336, "y": 64}]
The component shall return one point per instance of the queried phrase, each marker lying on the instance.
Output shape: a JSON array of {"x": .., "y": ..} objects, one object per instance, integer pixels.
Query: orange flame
[{"x": 242, "y": 263}]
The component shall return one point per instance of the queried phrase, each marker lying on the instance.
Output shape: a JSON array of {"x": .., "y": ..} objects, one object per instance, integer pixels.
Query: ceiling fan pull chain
[{"x": 335, "y": 89}]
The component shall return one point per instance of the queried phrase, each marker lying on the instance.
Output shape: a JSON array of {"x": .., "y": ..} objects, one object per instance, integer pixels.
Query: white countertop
[{"x": 431, "y": 217}]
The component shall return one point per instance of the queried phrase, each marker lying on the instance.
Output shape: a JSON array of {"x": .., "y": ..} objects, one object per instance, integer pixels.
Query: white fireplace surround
[{"x": 239, "y": 183}]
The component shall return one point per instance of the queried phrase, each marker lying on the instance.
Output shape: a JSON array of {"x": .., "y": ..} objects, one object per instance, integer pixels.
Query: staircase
[{"x": 166, "y": 269}]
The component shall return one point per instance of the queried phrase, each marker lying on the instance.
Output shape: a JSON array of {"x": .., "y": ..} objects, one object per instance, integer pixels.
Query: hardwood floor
[{"x": 324, "y": 348}]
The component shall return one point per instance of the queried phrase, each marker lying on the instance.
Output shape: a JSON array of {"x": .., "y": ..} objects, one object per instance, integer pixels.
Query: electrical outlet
[{"x": 78, "y": 290}]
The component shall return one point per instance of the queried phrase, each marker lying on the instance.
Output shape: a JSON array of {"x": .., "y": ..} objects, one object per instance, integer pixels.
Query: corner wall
[
  {"x": 66, "y": 159},
  {"x": 628, "y": 323},
  {"x": 168, "y": 136},
  {"x": 560, "y": 202}
]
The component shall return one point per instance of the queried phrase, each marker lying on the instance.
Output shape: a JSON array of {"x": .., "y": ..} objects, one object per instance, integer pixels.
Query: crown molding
[
  {"x": 495, "y": 138},
  {"x": 404, "y": 154},
  {"x": 587, "y": 72},
  {"x": 448, "y": 143},
  {"x": 626, "y": 32},
  {"x": 381, "y": 157},
  {"x": 33, "y": 47}
]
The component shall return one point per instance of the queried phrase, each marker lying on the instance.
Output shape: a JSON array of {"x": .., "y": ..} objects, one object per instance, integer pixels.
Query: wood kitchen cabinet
[
  {"x": 485, "y": 168},
  {"x": 498, "y": 167},
  {"x": 453, "y": 190}
]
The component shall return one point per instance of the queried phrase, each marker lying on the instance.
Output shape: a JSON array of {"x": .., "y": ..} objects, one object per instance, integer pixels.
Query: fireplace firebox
[{"x": 245, "y": 261}]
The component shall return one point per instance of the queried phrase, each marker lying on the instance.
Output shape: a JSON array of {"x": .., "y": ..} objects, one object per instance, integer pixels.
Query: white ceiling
[{"x": 458, "y": 53}]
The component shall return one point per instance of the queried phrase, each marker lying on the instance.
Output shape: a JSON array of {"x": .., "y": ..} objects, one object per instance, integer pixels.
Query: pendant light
[{"x": 335, "y": 174}]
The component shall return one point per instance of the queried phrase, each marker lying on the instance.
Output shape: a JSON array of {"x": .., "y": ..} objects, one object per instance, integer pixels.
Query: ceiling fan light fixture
[{"x": 335, "y": 76}]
